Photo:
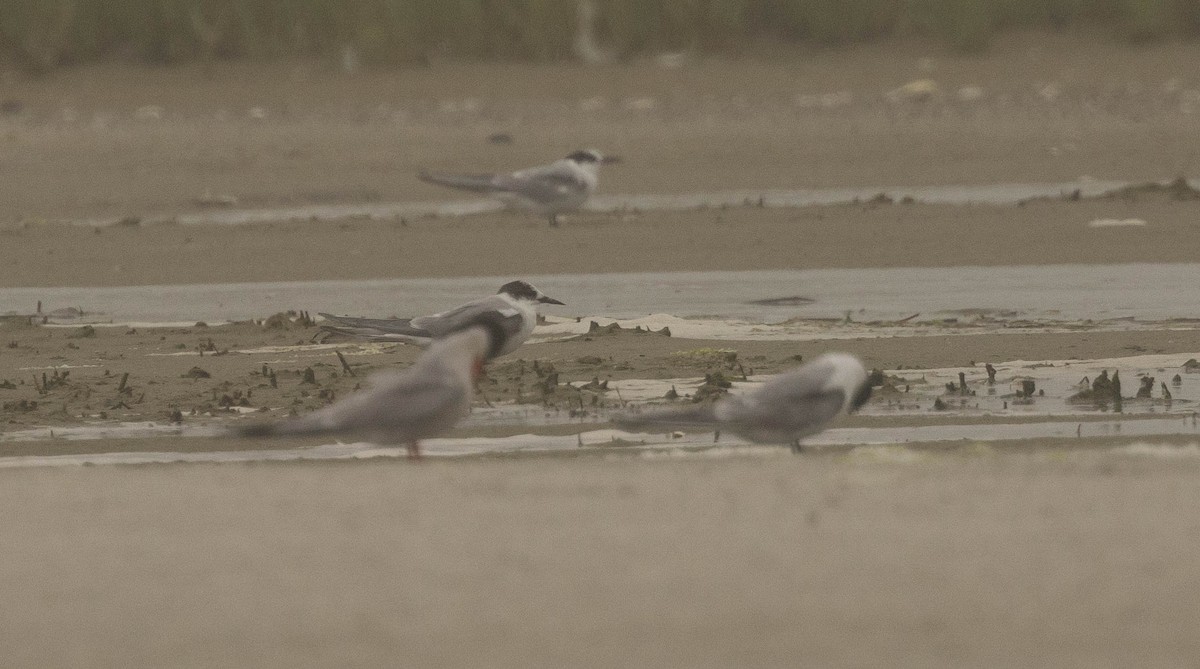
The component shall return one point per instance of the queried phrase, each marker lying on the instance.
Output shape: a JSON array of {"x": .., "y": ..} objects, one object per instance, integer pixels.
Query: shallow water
[
  {"x": 1064, "y": 293},
  {"x": 1005, "y": 193},
  {"x": 619, "y": 442}
]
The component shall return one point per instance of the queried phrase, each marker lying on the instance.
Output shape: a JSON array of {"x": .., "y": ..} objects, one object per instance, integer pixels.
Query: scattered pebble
[
  {"x": 920, "y": 90},
  {"x": 1117, "y": 223},
  {"x": 149, "y": 113}
]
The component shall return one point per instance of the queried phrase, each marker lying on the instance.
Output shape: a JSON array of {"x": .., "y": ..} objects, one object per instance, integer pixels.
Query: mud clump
[
  {"x": 724, "y": 358},
  {"x": 284, "y": 320},
  {"x": 615, "y": 329},
  {"x": 715, "y": 386},
  {"x": 22, "y": 405},
  {"x": 196, "y": 373},
  {"x": 310, "y": 377},
  {"x": 596, "y": 385},
  {"x": 1178, "y": 189},
  {"x": 1100, "y": 391},
  {"x": 791, "y": 301}
]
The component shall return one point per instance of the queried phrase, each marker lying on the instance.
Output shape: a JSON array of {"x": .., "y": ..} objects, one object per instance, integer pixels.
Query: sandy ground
[
  {"x": 498, "y": 244},
  {"x": 115, "y": 141},
  {"x": 108, "y": 143},
  {"x": 986, "y": 560},
  {"x": 1031, "y": 553}
]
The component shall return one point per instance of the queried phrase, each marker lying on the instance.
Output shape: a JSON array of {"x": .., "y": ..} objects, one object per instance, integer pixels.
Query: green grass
[{"x": 41, "y": 35}]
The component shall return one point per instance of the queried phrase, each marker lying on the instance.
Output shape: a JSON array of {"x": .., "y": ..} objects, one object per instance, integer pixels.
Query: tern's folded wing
[
  {"x": 397, "y": 404},
  {"x": 547, "y": 184},
  {"x": 368, "y": 334},
  {"x": 492, "y": 311},
  {"x": 401, "y": 401},
  {"x": 396, "y": 325},
  {"x": 787, "y": 407},
  {"x": 808, "y": 385},
  {"x": 374, "y": 329}
]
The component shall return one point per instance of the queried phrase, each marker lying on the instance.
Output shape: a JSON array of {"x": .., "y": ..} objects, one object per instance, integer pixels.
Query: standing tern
[
  {"x": 512, "y": 311},
  {"x": 789, "y": 407},
  {"x": 402, "y": 406},
  {"x": 562, "y": 186}
]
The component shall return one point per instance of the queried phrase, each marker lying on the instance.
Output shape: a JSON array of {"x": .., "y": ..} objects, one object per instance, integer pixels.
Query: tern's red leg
[{"x": 414, "y": 450}]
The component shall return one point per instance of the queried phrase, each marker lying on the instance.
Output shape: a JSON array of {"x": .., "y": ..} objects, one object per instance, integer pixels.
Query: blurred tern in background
[
  {"x": 789, "y": 407},
  {"x": 512, "y": 312},
  {"x": 562, "y": 186}
]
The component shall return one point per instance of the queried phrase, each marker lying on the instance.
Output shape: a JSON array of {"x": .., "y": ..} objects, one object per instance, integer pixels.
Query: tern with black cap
[
  {"x": 512, "y": 311},
  {"x": 792, "y": 405},
  {"x": 561, "y": 186}
]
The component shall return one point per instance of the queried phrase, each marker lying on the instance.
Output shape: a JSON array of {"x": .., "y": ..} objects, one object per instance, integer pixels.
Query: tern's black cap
[
  {"x": 519, "y": 290},
  {"x": 586, "y": 156}
]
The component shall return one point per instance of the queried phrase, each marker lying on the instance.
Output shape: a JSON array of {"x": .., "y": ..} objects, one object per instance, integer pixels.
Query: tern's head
[
  {"x": 523, "y": 290},
  {"x": 847, "y": 374},
  {"x": 592, "y": 157}
]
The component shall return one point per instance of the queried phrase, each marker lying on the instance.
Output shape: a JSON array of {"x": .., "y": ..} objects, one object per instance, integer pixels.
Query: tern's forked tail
[
  {"x": 476, "y": 183},
  {"x": 692, "y": 415}
]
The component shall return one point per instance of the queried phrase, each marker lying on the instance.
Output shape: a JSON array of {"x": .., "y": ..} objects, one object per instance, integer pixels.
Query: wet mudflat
[{"x": 84, "y": 389}]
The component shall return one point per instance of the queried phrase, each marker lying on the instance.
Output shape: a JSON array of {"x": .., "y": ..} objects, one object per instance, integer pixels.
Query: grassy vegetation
[{"x": 41, "y": 35}]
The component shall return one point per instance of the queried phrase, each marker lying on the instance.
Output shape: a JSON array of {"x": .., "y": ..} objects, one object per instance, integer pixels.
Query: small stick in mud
[
  {"x": 121, "y": 385},
  {"x": 991, "y": 372},
  {"x": 345, "y": 365}
]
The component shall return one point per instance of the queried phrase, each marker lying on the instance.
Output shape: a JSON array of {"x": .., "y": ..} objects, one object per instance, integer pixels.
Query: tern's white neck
[
  {"x": 847, "y": 374},
  {"x": 519, "y": 301}
]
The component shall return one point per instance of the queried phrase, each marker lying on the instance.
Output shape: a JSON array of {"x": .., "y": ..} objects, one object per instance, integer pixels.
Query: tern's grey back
[
  {"x": 789, "y": 407},
  {"x": 493, "y": 309},
  {"x": 557, "y": 185}
]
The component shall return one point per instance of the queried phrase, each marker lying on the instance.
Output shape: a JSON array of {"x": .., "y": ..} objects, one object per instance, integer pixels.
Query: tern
[
  {"x": 792, "y": 405},
  {"x": 401, "y": 406},
  {"x": 512, "y": 311},
  {"x": 562, "y": 186}
]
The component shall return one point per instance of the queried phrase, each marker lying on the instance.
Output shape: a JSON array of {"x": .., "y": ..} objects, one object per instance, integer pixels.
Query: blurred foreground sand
[{"x": 1058, "y": 559}]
